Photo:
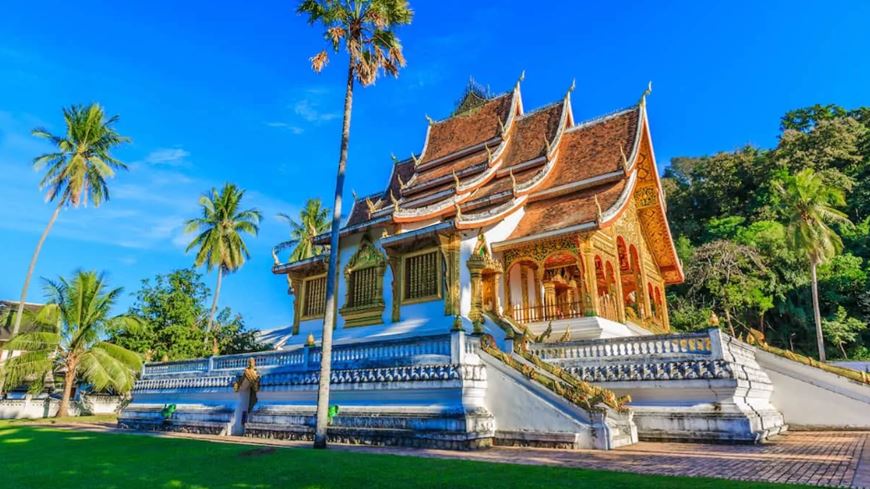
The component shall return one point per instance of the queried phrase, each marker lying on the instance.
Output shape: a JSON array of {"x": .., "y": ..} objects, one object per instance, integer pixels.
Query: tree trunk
[
  {"x": 332, "y": 275},
  {"x": 728, "y": 320},
  {"x": 68, "y": 381},
  {"x": 33, "y": 259},
  {"x": 214, "y": 303},
  {"x": 20, "y": 311},
  {"x": 816, "y": 313}
]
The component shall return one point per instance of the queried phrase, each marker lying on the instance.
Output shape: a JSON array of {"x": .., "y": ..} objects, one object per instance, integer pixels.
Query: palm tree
[
  {"x": 313, "y": 220},
  {"x": 67, "y": 340},
  {"x": 219, "y": 242},
  {"x": 809, "y": 204},
  {"x": 76, "y": 170},
  {"x": 365, "y": 29}
]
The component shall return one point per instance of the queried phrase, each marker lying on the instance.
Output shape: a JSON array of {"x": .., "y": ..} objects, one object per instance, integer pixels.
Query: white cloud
[
  {"x": 283, "y": 125},
  {"x": 168, "y": 156},
  {"x": 309, "y": 110}
]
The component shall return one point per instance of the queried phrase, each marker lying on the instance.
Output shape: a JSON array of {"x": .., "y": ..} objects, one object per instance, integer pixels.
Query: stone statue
[{"x": 253, "y": 377}]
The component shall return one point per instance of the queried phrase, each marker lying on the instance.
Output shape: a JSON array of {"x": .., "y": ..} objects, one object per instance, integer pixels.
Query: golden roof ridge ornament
[
  {"x": 458, "y": 211},
  {"x": 646, "y": 92},
  {"x": 456, "y": 181},
  {"x": 513, "y": 182},
  {"x": 394, "y": 157},
  {"x": 395, "y": 202},
  {"x": 371, "y": 205},
  {"x": 520, "y": 79},
  {"x": 430, "y": 120},
  {"x": 598, "y": 207},
  {"x": 572, "y": 87},
  {"x": 416, "y": 160},
  {"x": 402, "y": 184},
  {"x": 624, "y": 159},
  {"x": 501, "y": 127},
  {"x": 488, "y": 154}
]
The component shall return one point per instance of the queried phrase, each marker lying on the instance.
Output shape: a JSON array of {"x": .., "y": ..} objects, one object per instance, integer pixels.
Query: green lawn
[{"x": 43, "y": 456}]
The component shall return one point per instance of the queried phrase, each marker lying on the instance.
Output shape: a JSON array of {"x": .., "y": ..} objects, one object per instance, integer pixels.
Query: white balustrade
[
  {"x": 341, "y": 354},
  {"x": 672, "y": 345}
]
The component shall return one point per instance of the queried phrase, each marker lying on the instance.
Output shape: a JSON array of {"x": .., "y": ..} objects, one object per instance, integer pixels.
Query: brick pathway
[{"x": 825, "y": 458}]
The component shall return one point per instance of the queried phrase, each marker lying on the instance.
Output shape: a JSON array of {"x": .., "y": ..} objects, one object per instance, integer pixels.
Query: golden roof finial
[
  {"x": 572, "y": 87},
  {"x": 645, "y": 93},
  {"x": 624, "y": 159},
  {"x": 598, "y": 207},
  {"x": 458, "y": 211},
  {"x": 431, "y": 121},
  {"x": 355, "y": 197},
  {"x": 402, "y": 184},
  {"x": 416, "y": 160},
  {"x": 521, "y": 78},
  {"x": 394, "y": 157},
  {"x": 395, "y": 202},
  {"x": 371, "y": 206}
]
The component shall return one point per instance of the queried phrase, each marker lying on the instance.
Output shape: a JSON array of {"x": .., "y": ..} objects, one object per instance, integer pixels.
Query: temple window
[
  {"x": 364, "y": 276},
  {"x": 314, "y": 303},
  {"x": 421, "y": 276},
  {"x": 362, "y": 287}
]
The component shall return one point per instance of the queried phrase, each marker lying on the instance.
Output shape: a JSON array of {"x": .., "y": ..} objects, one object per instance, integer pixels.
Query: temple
[
  {"x": 527, "y": 215},
  {"x": 507, "y": 286}
]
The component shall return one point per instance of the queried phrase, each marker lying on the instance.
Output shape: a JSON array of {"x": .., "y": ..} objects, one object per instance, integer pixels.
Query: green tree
[
  {"x": 365, "y": 29},
  {"x": 809, "y": 206},
  {"x": 219, "y": 242},
  {"x": 75, "y": 171},
  {"x": 842, "y": 329},
  {"x": 313, "y": 220},
  {"x": 172, "y": 308},
  {"x": 68, "y": 340}
]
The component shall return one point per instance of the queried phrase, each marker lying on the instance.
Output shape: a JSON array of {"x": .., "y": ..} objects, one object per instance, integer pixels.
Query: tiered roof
[{"x": 481, "y": 165}]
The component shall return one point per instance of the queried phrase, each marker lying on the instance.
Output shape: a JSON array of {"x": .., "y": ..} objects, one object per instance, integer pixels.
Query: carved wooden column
[
  {"x": 475, "y": 269},
  {"x": 591, "y": 280},
  {"x": 508, "y": 301},
  {"x": 395, "y": 262},
  {"x": 449, "y": 246},
  {"x": 296, "y": 286},
  {"x": 496, "y": 286},
  {"x": 549, "y": 299}
]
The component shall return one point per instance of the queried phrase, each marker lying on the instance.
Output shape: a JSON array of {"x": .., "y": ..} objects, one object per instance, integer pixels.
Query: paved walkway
[{"x": 825, "y": 458}]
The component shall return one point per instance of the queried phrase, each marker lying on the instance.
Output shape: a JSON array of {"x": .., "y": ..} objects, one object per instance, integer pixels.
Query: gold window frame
[
  {"x": 439, "y": 293},
  {"x": 306, "y": 296}
]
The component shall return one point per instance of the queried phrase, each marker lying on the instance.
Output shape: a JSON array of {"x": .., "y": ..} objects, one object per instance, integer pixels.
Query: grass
[{"x": 43, "y": 456}]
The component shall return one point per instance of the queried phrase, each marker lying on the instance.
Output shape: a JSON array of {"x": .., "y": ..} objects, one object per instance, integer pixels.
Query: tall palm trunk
[
  {"x": 68, "y": 380},
  {"x": 214, "y": 303},
  {"x": 19, "y": 313},
  {"x": 332, "y": 275},
  {"x": 816, "y": 313},
  {"x": 30, "y": 269}
]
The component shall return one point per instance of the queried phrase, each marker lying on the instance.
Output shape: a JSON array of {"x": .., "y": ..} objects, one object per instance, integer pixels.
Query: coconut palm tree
[
  {"x": 219, "y": 242},
  {"x": 809, "y": 204},
  {"x": 365, "y": 29},
  {"x": 76, "y": 171},
  {"x": 66, "y": 340},
  {"x": 313, "y": 220}
]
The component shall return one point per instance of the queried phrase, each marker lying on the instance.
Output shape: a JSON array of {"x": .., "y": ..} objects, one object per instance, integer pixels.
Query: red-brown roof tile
[{"x": 473, "y": 127}]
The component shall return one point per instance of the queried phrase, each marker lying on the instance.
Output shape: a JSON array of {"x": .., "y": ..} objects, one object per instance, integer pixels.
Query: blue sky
[{"x": 222, "y": 91}]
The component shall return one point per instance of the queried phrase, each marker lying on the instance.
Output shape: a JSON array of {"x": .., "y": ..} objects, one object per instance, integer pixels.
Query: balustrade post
[
  {"x": 210, "y": 363},
  {"x": 717, "y": 346},
  {"x": 457, "y": 346}
]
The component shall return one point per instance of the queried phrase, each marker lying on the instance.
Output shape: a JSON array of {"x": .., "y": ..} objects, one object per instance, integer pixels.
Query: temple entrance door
[{"x": 487, "y": 291}]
